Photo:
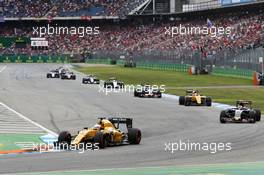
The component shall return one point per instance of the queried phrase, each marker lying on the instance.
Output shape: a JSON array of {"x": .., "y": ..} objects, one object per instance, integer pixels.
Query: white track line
[
  {"x": 3, "y": 68},
  {"x": 27, "y": 119},
  {"x": 18, "y": 132}
]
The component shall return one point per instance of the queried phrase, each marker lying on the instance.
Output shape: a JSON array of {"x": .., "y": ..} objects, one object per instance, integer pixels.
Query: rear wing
[
  {"x": 190, "y": 91},
  {"x": 117, "y": 120},
  {"x": 112, "y": 78},
  {"x": 243, "y": 103}
]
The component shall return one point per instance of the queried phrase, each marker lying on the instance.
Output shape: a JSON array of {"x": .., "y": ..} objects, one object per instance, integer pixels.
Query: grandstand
[{"x": 137, "y": 36}]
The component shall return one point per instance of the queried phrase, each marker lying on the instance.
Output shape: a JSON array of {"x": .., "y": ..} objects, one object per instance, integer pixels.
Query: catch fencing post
[{"x": 261, "y": 62}]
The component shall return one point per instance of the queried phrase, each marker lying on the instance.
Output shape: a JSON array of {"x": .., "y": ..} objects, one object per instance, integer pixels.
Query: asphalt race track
[{"x": 69, "y": 105}]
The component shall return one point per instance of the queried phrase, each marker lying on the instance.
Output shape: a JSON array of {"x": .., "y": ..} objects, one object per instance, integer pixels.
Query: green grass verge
[
  {"x": 176, "y": 81},
  {"x": 168, "y": 78},
  {"x": 8, "y": 141}
]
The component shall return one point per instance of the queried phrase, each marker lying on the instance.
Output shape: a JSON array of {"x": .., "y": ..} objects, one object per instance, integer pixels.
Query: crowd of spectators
[
  {"x": 247, "y": 32},
  {"x": 54, "y": 8}
]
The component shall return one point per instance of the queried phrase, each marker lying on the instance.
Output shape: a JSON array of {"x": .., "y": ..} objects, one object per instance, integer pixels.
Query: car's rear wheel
[
  {"x": 208, "y": 101},
  {"x": 100, "y": 140},
  {"x": 181, "y": 100},
  {"x": 134, "y": 136},
  {"x": 258, "y": 115},
  {"x": 222, "y": 117},
  {"x": 159, "y": 95}
]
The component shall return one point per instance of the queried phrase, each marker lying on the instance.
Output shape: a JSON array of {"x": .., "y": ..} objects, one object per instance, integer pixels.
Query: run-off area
[{"x": 17, "y": 132}]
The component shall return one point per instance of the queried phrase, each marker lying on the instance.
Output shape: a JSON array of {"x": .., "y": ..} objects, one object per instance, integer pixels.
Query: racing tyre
[
  {"x": 181, "y": 100},
  {"x": 57, "y": 76},
  {"x": 208, "y": 101},
  {"x": 252, "y": 117},
  {"x": 134, "y": 136},
  {"x": 121, "y": 86},
  {"x": 159, "y": 95},
  {"x": 64, "y": 137},
  {"x": 258, "y": 115},
  {"x": 100, "y": 139},
  {"x": 135, "y": 94},
  {"x": 48, "y": 76},
  {"x": 222, "y": 117},
  {"x": 187, "y": 102}
]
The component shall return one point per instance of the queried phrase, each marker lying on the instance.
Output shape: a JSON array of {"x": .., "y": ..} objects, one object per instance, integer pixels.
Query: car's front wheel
[
  {"x": 100, "y": 140},
  {"x": 159, "y": 95},
  {"x": 187, "y": 101},
  {"x": 252, "y": 117},
  {"x": 222, "y": 117},
  {"x": 181, "y": 100},
  {"x": 64, "y": 137}
]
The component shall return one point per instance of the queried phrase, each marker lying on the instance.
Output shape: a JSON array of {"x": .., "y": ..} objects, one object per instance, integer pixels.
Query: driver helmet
[{"x": 97, "y": 126}]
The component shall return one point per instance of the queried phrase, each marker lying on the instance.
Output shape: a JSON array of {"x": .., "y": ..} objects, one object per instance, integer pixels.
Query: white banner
[{"x": 36, "y": 43}]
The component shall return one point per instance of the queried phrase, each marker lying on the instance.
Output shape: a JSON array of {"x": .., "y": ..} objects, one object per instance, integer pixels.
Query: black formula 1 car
[
  {"x": 62, "y": 70},
  {"x": 91, "y": 79},
  {"x": 53, "y": 74},
  {"x": 147, "y": 91},
  {"x": 68, "y": 76},
  {"x": 243, "y": 112},
  {"x": 114, "y": 83},
  {"x": 193, "y": 98},
  {"x": 107, "y": 132},
  {"x": 261, "y": 79}
]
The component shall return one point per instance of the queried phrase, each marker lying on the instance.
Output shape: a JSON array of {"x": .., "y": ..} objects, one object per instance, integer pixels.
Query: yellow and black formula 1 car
[
  {"x": 107, "y": 132},
  {"x": 193, "y": 98}
]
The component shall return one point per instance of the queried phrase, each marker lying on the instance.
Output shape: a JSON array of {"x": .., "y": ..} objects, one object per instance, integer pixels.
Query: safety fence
[
  {"x": 229, "y": 72},
  {"x": 163, "y": 66},
  {"x": 145, "y": 65},
  {"x": 221, "y": 71},
  {"x": 98, "y": 61},
  {"x": 34, "y": 59}
]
